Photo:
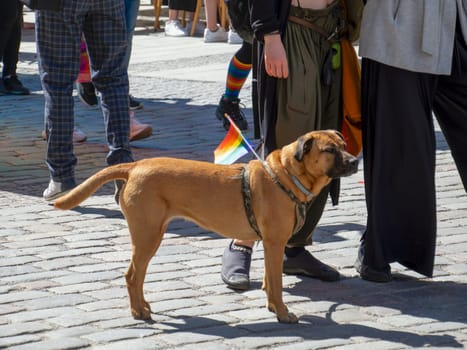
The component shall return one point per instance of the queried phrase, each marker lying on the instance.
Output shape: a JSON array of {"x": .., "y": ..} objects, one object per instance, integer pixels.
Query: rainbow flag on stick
[{"x": 233, "y": 146}]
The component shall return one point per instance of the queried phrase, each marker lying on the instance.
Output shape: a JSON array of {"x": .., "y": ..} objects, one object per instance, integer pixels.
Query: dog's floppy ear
[{"x": 304, "y": 145}]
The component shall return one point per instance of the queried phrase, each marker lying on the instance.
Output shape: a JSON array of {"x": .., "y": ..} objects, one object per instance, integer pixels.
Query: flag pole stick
[{"x": 243, "y": 137}]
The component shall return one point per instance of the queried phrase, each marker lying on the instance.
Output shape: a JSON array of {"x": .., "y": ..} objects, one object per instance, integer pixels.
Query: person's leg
[
  {"x": 58, "y": 41},
  {"x": 237, "y": 256},
  {"x": 450, "y": 106},
  {"x": 399, "y": 165},
  {"x": 138, "y": 130},
  {"x": 104, "y": 27},
  {"x": 237, "y": 74},
  {"x": 8, "y": 17},
  {"x": 213, "y": 32},
  {"x": 131, "y": 15},
  {"x": 173, "y": 27},
  {"x": 238, "y": 70},
  {"x": 190, "y": 6},
  {"x": 210, "y": 7},
  {"x": 11, "y": 53}
]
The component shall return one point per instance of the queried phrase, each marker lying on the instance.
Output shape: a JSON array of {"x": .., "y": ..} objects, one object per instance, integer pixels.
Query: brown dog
[{"x": 160, "y": 189}]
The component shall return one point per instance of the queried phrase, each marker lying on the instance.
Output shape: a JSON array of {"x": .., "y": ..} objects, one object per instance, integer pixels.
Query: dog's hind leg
[
  {"x": 272, "y": 281},
  {"x": 145, "y": 244}
]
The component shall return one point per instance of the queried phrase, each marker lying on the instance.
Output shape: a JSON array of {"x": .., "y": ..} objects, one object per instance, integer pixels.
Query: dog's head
[{"x": 323, "y": 153}]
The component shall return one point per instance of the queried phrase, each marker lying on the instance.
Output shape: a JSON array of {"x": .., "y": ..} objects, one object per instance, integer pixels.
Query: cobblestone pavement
[{"x": 62, "y": 272}]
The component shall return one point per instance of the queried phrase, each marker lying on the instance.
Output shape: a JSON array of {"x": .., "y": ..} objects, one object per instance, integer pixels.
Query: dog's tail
[{"x": 88, "y": 187}]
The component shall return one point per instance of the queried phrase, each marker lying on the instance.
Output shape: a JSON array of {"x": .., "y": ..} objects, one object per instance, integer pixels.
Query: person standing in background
[
  {"x": 58, "y": 38},
  {"x": 86, "y": 90},
  {"x": 414, "y": 64},
  {"x": 298, "y": 90}
]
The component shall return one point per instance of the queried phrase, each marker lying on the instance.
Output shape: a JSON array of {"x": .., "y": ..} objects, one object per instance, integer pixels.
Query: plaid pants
[{"x": 58, "y": 36}]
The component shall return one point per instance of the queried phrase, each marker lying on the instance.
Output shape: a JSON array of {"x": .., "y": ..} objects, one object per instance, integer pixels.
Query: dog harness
[{"x": 300, "y": 207}]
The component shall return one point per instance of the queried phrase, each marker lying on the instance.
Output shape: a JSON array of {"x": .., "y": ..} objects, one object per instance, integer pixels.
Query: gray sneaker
[
  {"x": 236, "y": 263},
  {"x": 57, "y": 189}
]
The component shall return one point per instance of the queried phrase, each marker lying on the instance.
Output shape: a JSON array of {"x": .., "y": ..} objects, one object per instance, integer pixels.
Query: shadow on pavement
[
  {"x": 407, "y": 297},
  {"x": 309, "y": 328}
]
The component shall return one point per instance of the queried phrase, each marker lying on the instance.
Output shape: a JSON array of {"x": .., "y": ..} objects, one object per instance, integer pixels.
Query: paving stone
[{"x": 54, "y": 344}]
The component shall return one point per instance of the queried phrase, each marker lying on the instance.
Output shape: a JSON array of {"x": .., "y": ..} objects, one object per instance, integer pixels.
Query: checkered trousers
[{"x": 58, "y": 37}]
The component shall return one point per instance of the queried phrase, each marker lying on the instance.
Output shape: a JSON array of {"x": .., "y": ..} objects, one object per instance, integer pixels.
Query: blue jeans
[{"x": 131, "y": 14}]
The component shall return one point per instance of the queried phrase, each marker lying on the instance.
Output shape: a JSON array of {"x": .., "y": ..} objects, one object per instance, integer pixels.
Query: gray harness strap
[{"x": 300, "y": 207}]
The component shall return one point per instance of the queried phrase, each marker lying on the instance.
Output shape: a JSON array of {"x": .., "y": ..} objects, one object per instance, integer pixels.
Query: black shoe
[
  {"x": 306, "y": 264},
  {"x": 14, "y": 86},
  {"x": 236, "y": 263},
  {"x": 87, "y": 94},
  {"x": 135, "y": 104},
  {"x": 232, "y": 108},
  {"x": 368, "y": 273}
]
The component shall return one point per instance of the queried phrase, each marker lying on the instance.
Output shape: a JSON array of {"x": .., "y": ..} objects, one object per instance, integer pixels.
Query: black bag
[
  {"x": 53, "y": 5},
  {"x": 239, "y": 15}
]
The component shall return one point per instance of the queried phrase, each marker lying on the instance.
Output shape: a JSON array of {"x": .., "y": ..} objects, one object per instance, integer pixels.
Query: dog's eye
[{"x": 330, "y": 150}]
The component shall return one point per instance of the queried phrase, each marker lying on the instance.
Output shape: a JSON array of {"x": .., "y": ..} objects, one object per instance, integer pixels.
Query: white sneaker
[
  {"x": 57, "y": 189},
  {"x": 234, "y": 38},
  {"x": 199, "y": 30},
  {"x": 174, "y": 28},
  {"x": 220, "y": 35}
]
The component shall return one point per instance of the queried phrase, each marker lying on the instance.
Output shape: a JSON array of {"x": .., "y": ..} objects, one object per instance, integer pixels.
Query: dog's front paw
[
  {"x": 283, "y": 316},
  {"x": 142, "y": 314},
  {"x": 289, "y": 317}
]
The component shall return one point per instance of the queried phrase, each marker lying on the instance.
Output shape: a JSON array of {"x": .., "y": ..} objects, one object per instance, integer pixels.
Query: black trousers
[
  {"x": 399, "y": 156},
  {"x": 183, "y": 5},
  {"x": 11, "y": 20}
]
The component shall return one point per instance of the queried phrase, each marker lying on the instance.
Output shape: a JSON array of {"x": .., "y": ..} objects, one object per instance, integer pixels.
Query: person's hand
[{"x": 275, "y": 58}]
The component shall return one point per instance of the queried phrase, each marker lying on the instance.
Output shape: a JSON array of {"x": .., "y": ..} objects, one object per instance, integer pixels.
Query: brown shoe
[{"x": 138, "y": 130}]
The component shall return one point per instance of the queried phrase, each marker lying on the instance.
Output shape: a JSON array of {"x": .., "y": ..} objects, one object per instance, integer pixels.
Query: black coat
[{"x": 266, "y": 16}]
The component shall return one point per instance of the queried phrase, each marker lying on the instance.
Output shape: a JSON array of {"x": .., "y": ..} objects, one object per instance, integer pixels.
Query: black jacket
[{"x": 266, "y": 16}]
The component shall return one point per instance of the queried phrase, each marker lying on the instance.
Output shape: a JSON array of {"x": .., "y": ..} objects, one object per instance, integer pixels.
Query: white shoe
[
  {"x": 174, "y": 28},
  {"x": 234, "y": 38},
  {"x": 218, "y": 36},
  {"x": 199, "y": 28},
  {"x": 57, "y": 189}
]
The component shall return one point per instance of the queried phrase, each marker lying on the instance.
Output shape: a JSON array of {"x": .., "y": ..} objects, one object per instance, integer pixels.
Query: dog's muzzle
[{"x": 345, "y": 164}]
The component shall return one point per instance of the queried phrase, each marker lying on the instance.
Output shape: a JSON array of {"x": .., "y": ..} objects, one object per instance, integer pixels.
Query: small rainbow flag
[{"x": 232, "y": 147}]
